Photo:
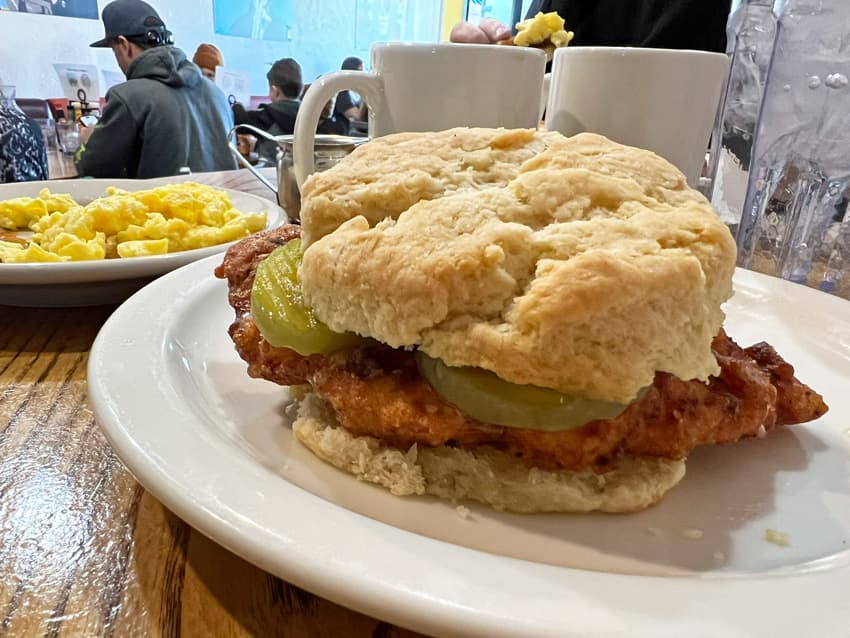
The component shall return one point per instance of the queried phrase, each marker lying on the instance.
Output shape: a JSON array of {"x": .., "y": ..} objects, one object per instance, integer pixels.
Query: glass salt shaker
[{"x": 795, "y": 223}]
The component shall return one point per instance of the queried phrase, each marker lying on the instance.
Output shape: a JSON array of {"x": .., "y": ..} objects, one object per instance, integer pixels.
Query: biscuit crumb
[
  {"x": 654, "y": 531},
  {"x": 777, "y": 538},
  {"x": 463, "y": 512},
  {"x": 692, "y": 533},
  {"x": 494, "y": 255}
]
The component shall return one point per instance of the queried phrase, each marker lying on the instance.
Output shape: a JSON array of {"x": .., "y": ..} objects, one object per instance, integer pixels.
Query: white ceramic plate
[
  {"x": 215, "y": 447},
  {"x": 83, "y": 283}
]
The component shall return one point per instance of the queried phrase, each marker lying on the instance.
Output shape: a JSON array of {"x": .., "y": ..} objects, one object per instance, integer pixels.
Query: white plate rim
[
  {"x": 414, "y": 581},
  {"x": 77, "y": 272}
]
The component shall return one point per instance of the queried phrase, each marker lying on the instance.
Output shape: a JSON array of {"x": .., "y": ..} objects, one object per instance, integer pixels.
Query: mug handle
[{"x": 368, "y": 84}]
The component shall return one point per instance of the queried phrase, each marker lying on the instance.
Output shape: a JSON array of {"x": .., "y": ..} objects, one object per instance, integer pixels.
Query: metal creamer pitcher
[{"x": 328, "y": 150}]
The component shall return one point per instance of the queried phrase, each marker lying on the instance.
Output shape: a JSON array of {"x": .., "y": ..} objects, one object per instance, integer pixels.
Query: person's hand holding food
[
  {"x": 544, "y": 31},
  {"x": 487, "y": 31}
]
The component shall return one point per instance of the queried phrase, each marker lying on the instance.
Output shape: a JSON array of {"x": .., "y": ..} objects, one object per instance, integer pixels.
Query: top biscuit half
[{"x": 577, "y": 264}]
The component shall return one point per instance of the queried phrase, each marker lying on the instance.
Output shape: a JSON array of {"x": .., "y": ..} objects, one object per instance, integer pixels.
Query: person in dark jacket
[
  {"x": 285, "y": 86},
  {"x": 166, "y": 117},
  {"x": 348, "y": 104},
  {"x": 278, "y": 116},
  {"x": 664, "y": 24},
  {"x": 330, "y": 122}
]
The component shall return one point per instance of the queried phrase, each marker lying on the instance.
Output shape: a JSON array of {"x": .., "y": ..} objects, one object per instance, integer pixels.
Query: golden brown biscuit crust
[{"x": 572, "y": 263}]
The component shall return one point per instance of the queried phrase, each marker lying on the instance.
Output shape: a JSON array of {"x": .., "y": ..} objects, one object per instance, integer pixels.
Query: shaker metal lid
[{"x": 325, "y": 141}]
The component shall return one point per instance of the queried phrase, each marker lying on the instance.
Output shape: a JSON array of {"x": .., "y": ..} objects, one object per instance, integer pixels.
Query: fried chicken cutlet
[{"x": 377, "y": 391}]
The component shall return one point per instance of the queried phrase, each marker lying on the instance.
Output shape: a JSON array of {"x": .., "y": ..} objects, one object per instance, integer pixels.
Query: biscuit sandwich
[{"x": 507, "y": 316}]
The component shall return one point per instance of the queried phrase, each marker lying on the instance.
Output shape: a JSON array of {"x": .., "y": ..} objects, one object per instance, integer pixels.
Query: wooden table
[{"x": 84, "y": 549}]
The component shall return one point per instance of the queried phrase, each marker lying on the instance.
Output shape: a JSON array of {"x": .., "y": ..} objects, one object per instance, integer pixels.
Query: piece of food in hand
[
  {"x": 543, "y": 31},
  {"x": 538, "y": 321}
]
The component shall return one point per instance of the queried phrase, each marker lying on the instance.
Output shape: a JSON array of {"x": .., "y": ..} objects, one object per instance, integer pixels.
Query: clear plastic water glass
[
  {"x": 48, "y": 132},
  {"x": 795, "y": 223},
  {"x": 69, "y": 136},
  {"x": 751, "y": 34}
]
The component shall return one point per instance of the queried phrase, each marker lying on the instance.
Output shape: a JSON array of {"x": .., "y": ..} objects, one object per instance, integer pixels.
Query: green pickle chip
[
  {"x": 278, "y": 309},
  {"x": 484, "y": 396}
]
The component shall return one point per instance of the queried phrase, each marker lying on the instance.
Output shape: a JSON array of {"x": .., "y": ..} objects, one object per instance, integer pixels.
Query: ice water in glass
[{"x": 795, "y": 223}]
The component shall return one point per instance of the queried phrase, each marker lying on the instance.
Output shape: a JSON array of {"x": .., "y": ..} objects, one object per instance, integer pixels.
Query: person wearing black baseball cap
[
  {"x": 132, "y": 19},
  {"x": 166, "y": 116}
]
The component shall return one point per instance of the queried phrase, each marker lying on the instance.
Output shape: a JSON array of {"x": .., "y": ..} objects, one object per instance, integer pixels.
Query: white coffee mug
[
  {"x": 431, "y": 87},
  {"x": 663, "y": 100}
]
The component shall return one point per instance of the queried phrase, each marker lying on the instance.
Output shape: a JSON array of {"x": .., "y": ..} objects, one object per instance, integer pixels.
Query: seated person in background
[
  {"x": 329, "y": 122},
  {"x": 166, "y": 116},
  {"x": 22, "y": 154},
  {"x": 278, "y": 117},
  {"x": 666, "y": 24},
  {"x": 348, "y": 104},
  {"x": 208, "y": 57}
]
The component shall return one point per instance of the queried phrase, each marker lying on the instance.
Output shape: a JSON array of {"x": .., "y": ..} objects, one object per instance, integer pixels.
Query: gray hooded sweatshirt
[{"x": 164, "y": 117}]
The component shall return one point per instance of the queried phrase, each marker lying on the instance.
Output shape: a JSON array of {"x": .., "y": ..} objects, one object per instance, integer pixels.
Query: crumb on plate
[
  {"x": 692, "y": 533},
  {"x": 777, "y": 538}
]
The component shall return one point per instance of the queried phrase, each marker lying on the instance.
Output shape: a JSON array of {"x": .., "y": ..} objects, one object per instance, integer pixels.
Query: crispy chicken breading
[{"x": 378, "y": 391}]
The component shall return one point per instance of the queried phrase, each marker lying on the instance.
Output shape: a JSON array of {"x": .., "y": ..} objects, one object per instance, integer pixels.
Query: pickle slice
[
  {"x": 484, "y": 396},
  {"x": 278, "y": 309}
]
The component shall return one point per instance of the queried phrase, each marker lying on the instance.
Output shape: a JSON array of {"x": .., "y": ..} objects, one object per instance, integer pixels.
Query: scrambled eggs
[
  {"x": 543, "y": 30},
  {"x": 123, "y": 224}
]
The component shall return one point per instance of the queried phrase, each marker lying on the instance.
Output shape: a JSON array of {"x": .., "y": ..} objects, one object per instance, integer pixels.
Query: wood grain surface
[{"x": 84, "y": 549}]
